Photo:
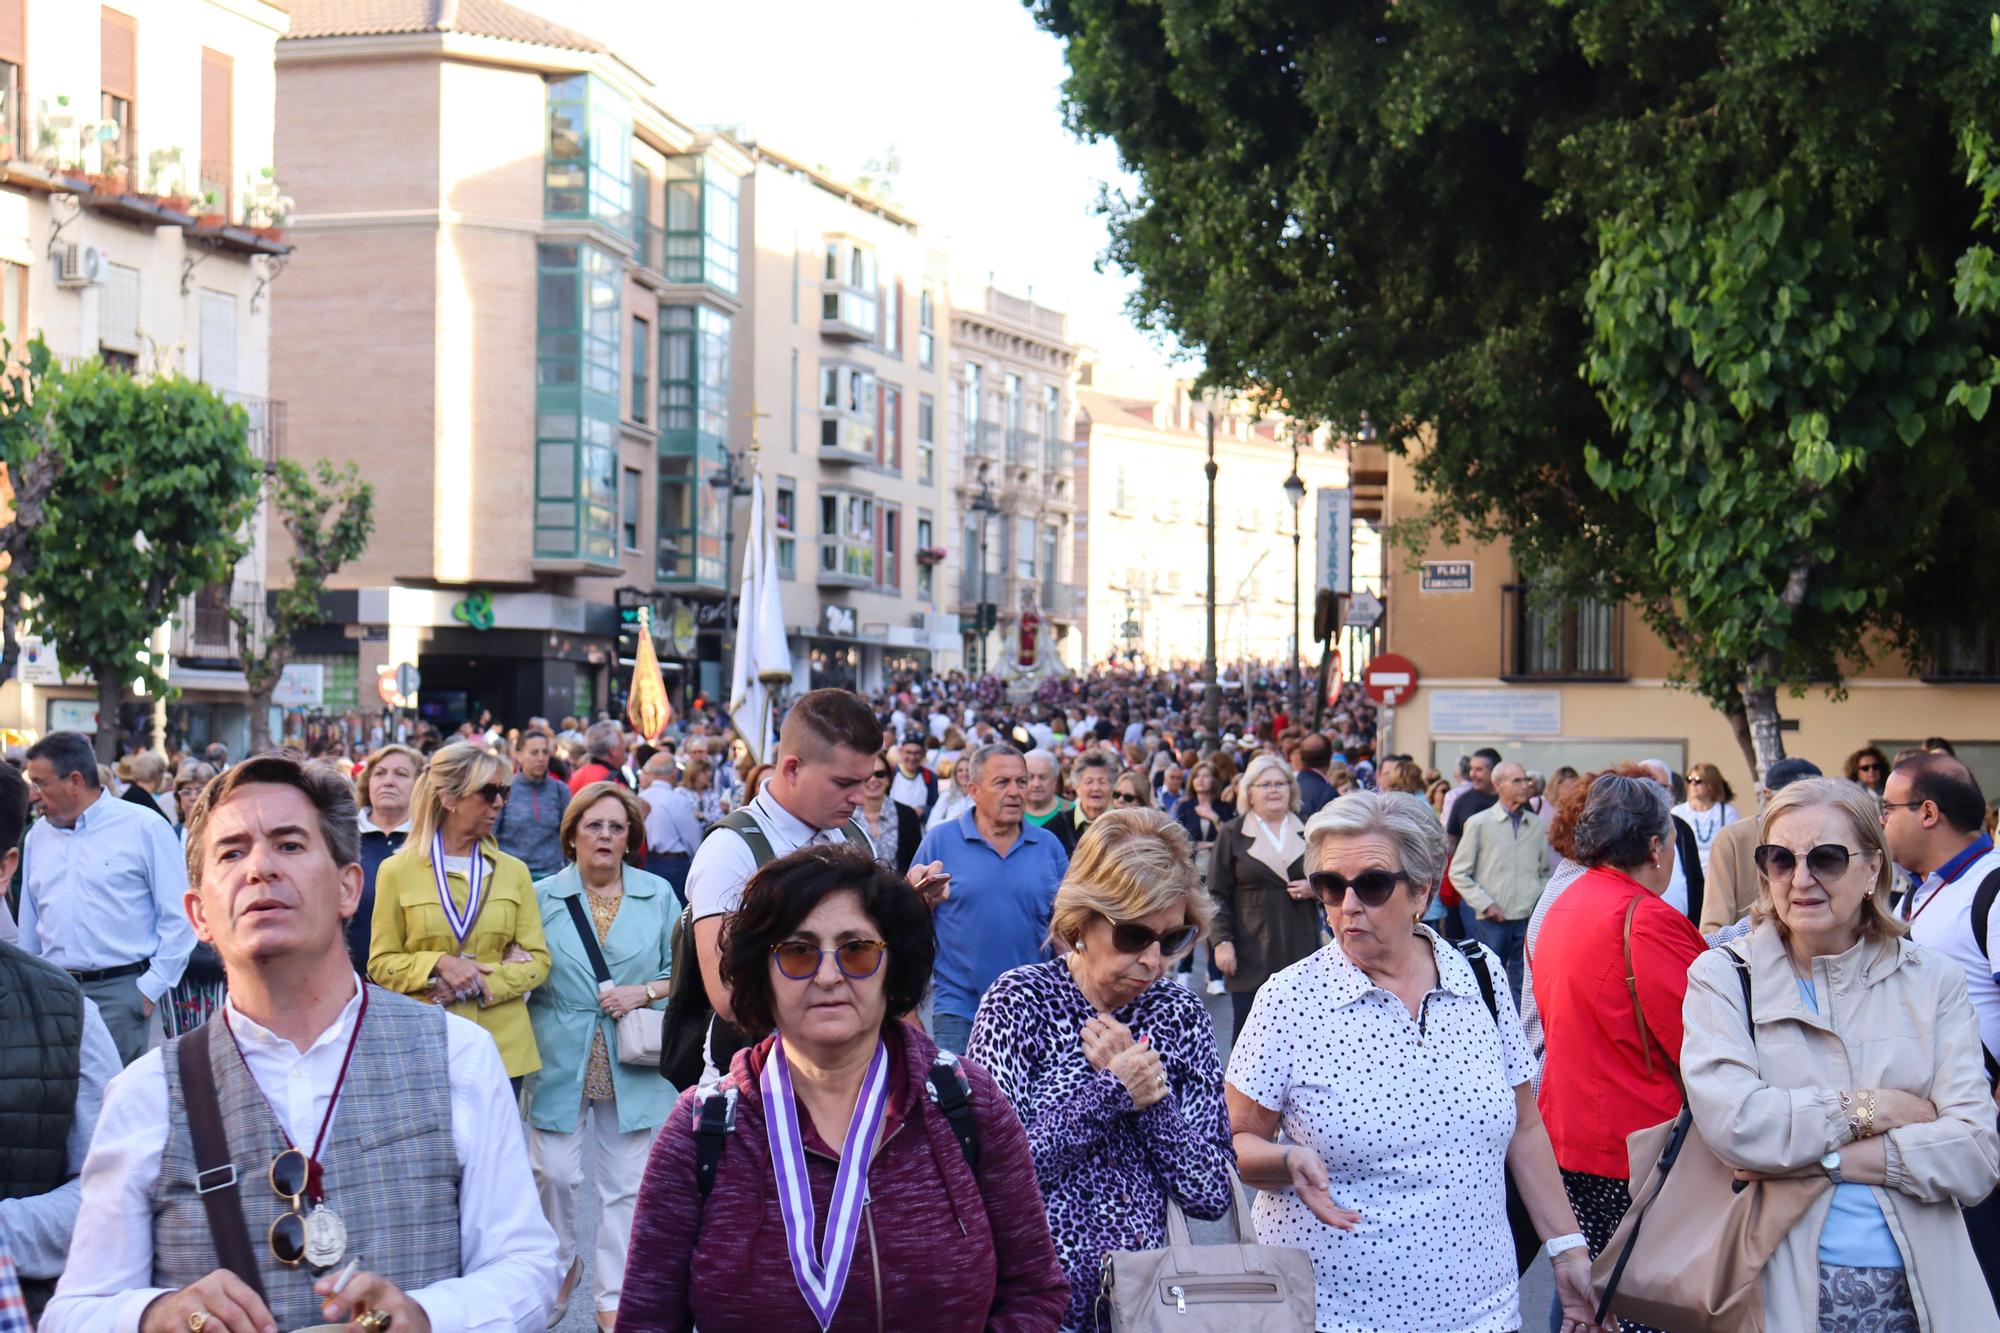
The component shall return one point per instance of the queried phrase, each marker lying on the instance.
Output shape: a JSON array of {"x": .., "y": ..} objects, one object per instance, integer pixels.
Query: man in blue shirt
[{"x": 1004, "y": 873}]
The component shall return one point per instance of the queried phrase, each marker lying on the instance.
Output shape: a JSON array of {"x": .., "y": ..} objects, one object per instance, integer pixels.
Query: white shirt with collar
[
  {"x": 671, "y": 826},
  {"x": 1946, "y": 927},
  {"x": 108, "y": 892},
  {"x": 507, "y": 1252},
  {"x": 724, "y": 864}
]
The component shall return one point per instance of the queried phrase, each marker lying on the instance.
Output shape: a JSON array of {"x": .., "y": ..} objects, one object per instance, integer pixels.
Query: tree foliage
[
  {"x": 34, "y": 463},
  {"x": 157, "y": 487},
  {"x": 329, "y": 514},
  {"x": 1692, "y": 303}
]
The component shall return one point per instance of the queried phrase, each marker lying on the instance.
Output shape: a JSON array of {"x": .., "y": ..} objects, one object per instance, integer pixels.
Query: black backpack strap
[
  {"x": 588, "y": 935},
  {"x": 745, "y": 826},
  {"x": 215, "y": 1169},
  {"x": 1982, "y": 908},
  {"x": 714, "y": 1122},
  {"x": 1477, "y": 957},
  {"x": 952, "y": 1093}
]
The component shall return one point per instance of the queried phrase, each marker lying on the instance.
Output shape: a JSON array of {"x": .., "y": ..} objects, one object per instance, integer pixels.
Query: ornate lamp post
[
  {"x": 1295, "y": 491},
  {"x": 1211, "y": 692}
]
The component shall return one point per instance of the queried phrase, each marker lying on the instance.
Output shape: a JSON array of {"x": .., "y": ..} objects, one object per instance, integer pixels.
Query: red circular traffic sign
[{"x": 1390, "y": 679}]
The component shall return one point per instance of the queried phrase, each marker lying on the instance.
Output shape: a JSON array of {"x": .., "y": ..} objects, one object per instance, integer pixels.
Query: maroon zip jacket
[{"x": 937, "y": 1250}]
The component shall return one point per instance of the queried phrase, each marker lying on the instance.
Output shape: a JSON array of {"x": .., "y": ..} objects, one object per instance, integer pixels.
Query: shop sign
[
  {"x": 1496, "y": 712},
  {"x": 300, "y": 685},
  {"x": 839, "y": 620},
  {"x": 710, "y": 614},
  {"x": 73, "y": 715},
  {"x": 475, "y": 610},
  {"x": 681, "y": 630},
  {"x": 37, "y": 664}
]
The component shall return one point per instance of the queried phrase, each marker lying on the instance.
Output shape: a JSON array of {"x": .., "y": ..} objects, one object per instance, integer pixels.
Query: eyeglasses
[
  {"x": 859, "y": 959},
  {"x": 1901, "y": 805},
  {"x": 493, "y": 793},
  {"x": 1271, "y": 785},
  {"x": 1829, "y": 860},
  {"x": 879, "y": 775},
  {"x": 290, "y": 1173},
  {"x": 1124, "y": 798},
  {"x": 604, "y": 828},
  {"x": 1868, "y": 766},
  {"x": 1133, "y": 938},
  {"x": 1372, "y": 887}
]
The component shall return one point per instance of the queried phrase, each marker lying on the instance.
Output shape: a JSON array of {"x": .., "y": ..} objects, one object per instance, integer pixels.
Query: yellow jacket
[{"x": 410, "y": 935}]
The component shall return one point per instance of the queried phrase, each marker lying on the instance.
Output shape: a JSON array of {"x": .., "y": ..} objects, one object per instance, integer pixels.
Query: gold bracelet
[{"x": 1868, "y": 1114}]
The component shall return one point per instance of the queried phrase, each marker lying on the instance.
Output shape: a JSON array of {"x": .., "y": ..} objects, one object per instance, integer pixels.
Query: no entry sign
[{"x": 1390, "y": 679}]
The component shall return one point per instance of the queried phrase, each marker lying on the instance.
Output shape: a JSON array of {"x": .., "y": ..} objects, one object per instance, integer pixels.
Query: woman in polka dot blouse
[
  {"x": 1112, "y": 1067},
  {"x": 1402, "y": 1102}
]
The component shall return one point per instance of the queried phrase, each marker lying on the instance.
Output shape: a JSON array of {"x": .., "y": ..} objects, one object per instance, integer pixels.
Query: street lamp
[
  {"x": 984, "y": 505},
  {"x": 1211, "y": 693},
  {"x": 1295, "y": 491}
]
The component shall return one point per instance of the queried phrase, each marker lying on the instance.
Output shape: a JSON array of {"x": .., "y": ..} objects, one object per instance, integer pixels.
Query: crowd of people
[{"x": 912, "y": 1022}]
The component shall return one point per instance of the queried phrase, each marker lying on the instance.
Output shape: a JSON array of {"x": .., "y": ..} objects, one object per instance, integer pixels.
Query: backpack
[
  {"x": 688, "y": 1025},
  {"x": 1982, "y": 907},
  {"x": 715, "y": 1117},
  {"x": 1527, "y": 1240}
]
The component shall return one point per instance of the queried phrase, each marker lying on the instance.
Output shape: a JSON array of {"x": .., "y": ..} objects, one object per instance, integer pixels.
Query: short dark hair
[
  {"x": 331, "y": 794},
  {"x": 1939, "y": 745},
  {"x": 1620, "y": 818},
  {"x": 1948, "y": 784},
  {"x": 823, "y": 720},
  {"x": 1488, "y": 753},
  {"x": 1315, "y": 751},
  {"x": 784, "y": 893},
  {"x": 13, "y": 808},
  {"x": 67, "y": 752}
]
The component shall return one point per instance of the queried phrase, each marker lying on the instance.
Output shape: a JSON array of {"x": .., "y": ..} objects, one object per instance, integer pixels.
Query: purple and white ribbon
[
  {"x": 822, "y": 1279},
  {"x": 475, "y": 884}
]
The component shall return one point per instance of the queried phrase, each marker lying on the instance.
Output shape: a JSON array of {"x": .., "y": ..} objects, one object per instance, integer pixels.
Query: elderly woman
[
  {"x": 1266, "y": 917},
  {"x": 384, "y": 787},
  {"x": 1611, "y": 961},
  {"x": 1865, "y": 1066},
  {"x": 1132, "y": 791},
  {"x": 894, "y": 830},
  {"x": 834, "y": 1118},
  {"x": 1112, "y": 1067},
  {"x": 1404, "y": 1100},
  {"x": 456, "y": 920},
  {"x": 583, "y": 1090}
]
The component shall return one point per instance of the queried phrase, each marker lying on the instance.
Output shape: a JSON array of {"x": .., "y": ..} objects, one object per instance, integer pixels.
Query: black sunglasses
[
  {"x": 1829, "y": 860},
  {"x": 879, "y": 775},
  {"x": 1372, "y": 887},
  {"x": 859, "y": 959},
  {"x": 1124, "y": 798},
  {"x": 1133, "y": 938},
  {"x": 289, "y": 1174},
  {"x": 493, "y": 793}
]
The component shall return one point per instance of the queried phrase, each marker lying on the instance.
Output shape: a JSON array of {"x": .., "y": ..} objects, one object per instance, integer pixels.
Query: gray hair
[
  {"x": 1264, "y": 763},
  {"x": 68, "y": 752},
  {"x": 1055, "y": 765},
  {"x": 1619, "y": 821},
  {"x": 1405, "y": 820},
  {"x": 598, "y": 740},
  {"x": 976, "y": 762}
]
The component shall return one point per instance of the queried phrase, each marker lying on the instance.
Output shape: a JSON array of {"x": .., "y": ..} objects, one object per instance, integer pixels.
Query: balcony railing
[
  {"x": 1063, "y": 601},
  {"x": 1964, "y": 657},
  {"x": 1559, "y": 638},
  {"x": 1020, "y": 448},
  {"x": 981, "y": 440},
  {"x": 203, "y": 630},
  {"x": 651, "y": 241},
  {"x": 267, "y": 425},
  {"x": 1055, "y": 458},
  {"x": 846, "y": 564}
]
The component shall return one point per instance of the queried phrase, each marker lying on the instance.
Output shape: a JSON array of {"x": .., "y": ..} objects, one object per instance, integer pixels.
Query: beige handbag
[
  {"x": 1189, "y": 1288},
  {"x": 639, "y": 1038},
  {"x": 1699, "y": 1265}
]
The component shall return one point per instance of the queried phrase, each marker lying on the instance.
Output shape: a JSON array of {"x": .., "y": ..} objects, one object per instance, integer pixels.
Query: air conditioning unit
[{"x": 79, "y": 266}]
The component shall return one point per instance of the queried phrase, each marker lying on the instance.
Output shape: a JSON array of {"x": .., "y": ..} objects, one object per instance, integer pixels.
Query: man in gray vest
[
  {"x": 56, "y": 1056},
  {"x": 317, "y": 1126}
]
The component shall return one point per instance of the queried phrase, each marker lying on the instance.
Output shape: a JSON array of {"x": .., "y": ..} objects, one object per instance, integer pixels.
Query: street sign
[
  {"x": 408, "y": 679},
  {"x": 1390, "y": 679},
  {"x": 1336, "y": 539},
  {"x": 1445, "y": 576},
  {"x": 1364, "y": 611}
]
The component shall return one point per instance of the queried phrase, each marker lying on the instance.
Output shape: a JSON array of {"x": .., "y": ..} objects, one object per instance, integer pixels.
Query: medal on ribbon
[
  {"x": 461, "y": 923},
  {"x": 822, "y": 1277}
]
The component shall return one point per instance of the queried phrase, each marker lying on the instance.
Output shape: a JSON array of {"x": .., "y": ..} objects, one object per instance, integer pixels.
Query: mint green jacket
[{"x": 564, "y": 1008}]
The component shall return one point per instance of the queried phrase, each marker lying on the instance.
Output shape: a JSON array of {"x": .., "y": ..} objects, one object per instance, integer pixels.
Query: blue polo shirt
[{"x": 997, "y": 916}]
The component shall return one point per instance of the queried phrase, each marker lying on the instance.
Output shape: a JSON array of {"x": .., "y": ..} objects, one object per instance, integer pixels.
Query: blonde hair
[
  {"x": 1863, "y": 814},
  {"x": 145, "y": 768},
  {"x": 1256, "y": 769},
  {"x": 457, "y": 770},
  {"x": 1129, "y": 863},
  {"x": 380, "y": 753}
]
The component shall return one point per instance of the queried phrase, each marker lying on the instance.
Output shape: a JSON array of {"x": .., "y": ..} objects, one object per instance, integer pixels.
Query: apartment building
[
  {"x": 1013, "y": 373},
  {"x": 1584, "y": 682},
  {"x": 141, "y": 221},
  {"x": 1142, "y": 496}
]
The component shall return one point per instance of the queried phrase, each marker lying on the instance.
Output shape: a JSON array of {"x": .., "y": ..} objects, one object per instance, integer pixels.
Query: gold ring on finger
[
  {"x": 197, "y": 1320},
  {"x": 373, "y": 1321}
]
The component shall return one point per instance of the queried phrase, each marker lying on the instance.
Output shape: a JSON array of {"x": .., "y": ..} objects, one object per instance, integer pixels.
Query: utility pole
[{"x": 1211, "y": 692}]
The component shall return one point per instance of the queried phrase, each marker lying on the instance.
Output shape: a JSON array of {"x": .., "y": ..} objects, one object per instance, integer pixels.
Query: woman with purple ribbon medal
[{"x": 932, "y": 1216}]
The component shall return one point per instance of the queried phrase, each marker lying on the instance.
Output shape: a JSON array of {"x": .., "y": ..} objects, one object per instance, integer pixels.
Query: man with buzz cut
[{"x": 317, "y": 1127}]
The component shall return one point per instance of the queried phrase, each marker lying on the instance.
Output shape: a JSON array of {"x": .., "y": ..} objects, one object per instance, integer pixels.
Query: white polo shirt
[{"x": 1945, "y": 926}]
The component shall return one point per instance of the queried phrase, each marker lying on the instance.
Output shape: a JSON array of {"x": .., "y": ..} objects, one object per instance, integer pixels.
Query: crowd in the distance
[{"x": 919, "y": 1020}]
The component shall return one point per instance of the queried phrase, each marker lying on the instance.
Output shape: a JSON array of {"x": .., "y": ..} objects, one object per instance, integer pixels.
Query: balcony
[
  {"x": 203, "y": 630},
  {"x": 1020, "y": 448},
  {"x": 649, "y": 252},
  {"x": 847, "y": 314},
  {"x": 1559, "y": 639},
  {"x": 980, "y": 441},
  {"x": 267, "y": 425},
  {"x": 1055, "y": 458},
  {"x": 1057, "y": 491},
  {"x": 845, "y": 438},
  {"x": 1062, "y": 601},
  {"x": 846, "y": 564}
]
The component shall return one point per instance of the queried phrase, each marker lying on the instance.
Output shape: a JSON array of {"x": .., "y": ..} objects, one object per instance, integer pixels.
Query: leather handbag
[
  {"x": 1233, "y": 1288},
  {"x": 639, "y": 1032},
  {"x": 1689, "y": 1254}
]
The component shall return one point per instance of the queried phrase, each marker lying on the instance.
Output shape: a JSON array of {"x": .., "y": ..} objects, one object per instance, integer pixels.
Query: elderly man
[
  {"x": 1500, "y": 867},
  {"x": 101, "y": 891},
  {"x": 317, "y": 1120},
  {"x": 672, "y": 830},
  {"x": 604, "y": 751},
  {"x": 1045, "y": 808},
  {"x": 1004, "y": 875}
]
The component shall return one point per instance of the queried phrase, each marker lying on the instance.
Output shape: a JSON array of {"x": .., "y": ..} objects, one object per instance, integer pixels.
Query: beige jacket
[
  {"x": 1496, "y": 864},
  {"x": 1891, "y": 1015},
  {"x": 1732, "y": 882}
]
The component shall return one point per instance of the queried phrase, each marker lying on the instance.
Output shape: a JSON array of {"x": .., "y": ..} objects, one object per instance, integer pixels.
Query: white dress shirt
[
  {"x": 507, "y": 1253},
  {"x": 36, "y": 1229},
  {"x": 108, "y": 892},
  {"x": 671, "y": 826}
]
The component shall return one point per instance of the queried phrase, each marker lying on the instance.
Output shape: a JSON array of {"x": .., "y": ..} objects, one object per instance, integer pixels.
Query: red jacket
[
  {"x": 938, "y": 1250},
  {"x": 593, "y": 772},
  {"x": 1595, "y": 1084}
]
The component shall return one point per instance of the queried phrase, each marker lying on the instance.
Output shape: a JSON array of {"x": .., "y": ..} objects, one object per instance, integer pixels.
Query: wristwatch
[
  {"x": 650, "y": 996},
  {"x": 1558, "y": 1245},
  {"x": 1831, "y": 1164}
]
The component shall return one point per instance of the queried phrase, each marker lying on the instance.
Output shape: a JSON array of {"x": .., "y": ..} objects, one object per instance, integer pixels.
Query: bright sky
[{"x": 967, "y": 94}]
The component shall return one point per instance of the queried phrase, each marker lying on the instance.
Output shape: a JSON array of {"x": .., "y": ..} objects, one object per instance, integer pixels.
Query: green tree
[
  {"x": 152, "y": 506},
  {"x": 34, "y": 461},
  {"x": 329, "y": 514},
  {"x": 1682, "y": 300}
]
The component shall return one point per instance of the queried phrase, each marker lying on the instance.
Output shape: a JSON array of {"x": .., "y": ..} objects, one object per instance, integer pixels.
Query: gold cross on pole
[{"x": 755, "y": 416}]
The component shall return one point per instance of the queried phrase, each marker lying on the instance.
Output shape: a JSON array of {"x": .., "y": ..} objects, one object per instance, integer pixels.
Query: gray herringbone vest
[{"x": 390, "y": 1167}]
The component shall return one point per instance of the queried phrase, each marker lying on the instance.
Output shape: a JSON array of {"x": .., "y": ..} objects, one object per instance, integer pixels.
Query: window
[
  {"x": 701, "y": 223},
  {"x": 217, "y": 118},
  {"x": 628, "y": 501},
  {"x": 1051, "y": 428},
  {"x": 218, "y": 338},
  {"x": 587, "y": 172},
  {"x": 847, "y": 534},
  {"x": 1051, "y": 545},
  {"x": 694, "y": 431},
  {"x": 12, "y": 123},
  {"x": 1556, "y": 637},
  {"x": 785, "y": 525},
  {"x": 848, "y": 298},
  {"x": 889, "y": 551},
  {"x": 118, "y": 316},
  {"x": 892, "y": 323},
  {"x": 1121, "y": 498},
  {"x": 642, "y": 360},
  {"x": 971, "y": 398},
  {"x": 926, "y": 539},
  {"x": 926, "y": 439},
  {"x": 645, "y": 232},
  {"x": 891, "y": 455},
  {"x": 577, "y": 408},
  {"x": 926, "y": 329},
  {"x": 849, "y": 409},
  {"x": 119, "y": 83},
  {"x": 1024, "y": 548}
]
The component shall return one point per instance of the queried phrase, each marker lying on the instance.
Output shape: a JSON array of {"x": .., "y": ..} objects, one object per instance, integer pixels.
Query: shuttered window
[
  {"x": 217, "y": 79},
  {"x": 118, "y": 309},
  {"x": 13, "y": 32},
  {"x": 121, "y": 55}
]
